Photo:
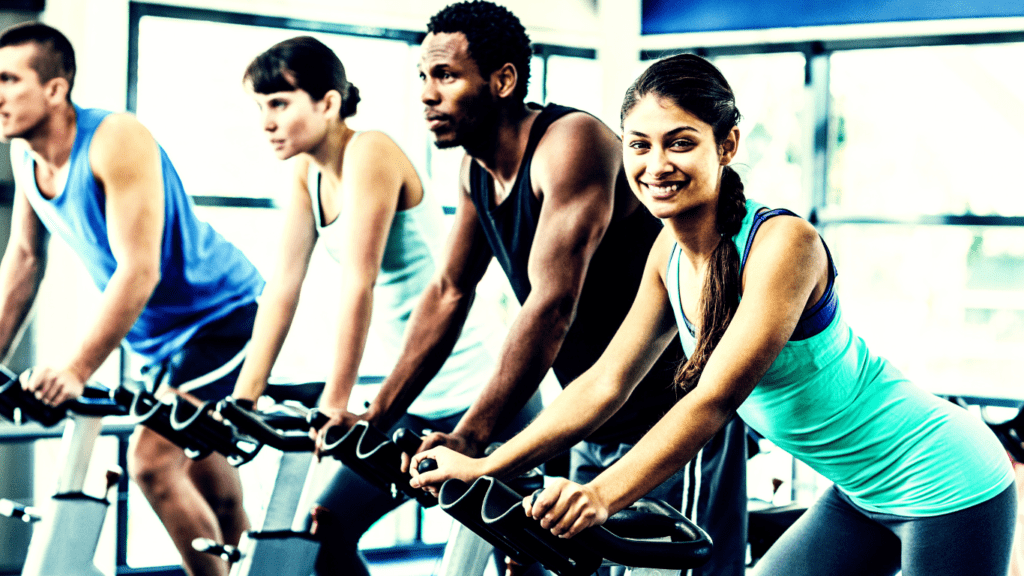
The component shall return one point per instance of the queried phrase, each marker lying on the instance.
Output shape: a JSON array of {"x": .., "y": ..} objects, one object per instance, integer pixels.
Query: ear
[
  {"x": 332, "y": 104},
  {"x": 57, "y": 89},
  {"x": 504, "y": 81},
  {"x": 729, "y": 146}
]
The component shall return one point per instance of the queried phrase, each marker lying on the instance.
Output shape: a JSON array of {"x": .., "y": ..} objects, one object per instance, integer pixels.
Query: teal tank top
[
  {"x": 415, "y": 241},
  {"x": 856, "y": 420},
  {"x": 203, "y": 277}
]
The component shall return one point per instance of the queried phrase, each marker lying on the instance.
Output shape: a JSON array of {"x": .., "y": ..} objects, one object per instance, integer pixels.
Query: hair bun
[{"x": 349, "y": 101}]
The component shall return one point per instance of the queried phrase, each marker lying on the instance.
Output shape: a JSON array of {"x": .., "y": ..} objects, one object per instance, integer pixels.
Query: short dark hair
[
  {"x": 495, "y": 36},
  {"x": 55, "y": 56},
  {"x": 302, "y": 63}
]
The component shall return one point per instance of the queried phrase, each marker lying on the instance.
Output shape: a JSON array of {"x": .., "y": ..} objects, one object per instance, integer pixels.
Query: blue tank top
[
  {"x": 415, "y": 241},
  {"x": 203, "y": 277},
  {"x": 855, "y": 419}
]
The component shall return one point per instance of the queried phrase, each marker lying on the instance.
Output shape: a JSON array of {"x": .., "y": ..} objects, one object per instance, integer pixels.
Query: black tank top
[{"x": 613, "y": 279}]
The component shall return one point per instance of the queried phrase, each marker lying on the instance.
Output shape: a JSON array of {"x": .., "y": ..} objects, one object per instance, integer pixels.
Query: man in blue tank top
[
  {"x": 543, "y": 193},
  {"x": 174, "y": 290}
]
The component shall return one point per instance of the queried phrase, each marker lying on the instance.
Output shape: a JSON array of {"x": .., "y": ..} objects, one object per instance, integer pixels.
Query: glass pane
[
  {"x": 575, "y": 82},
  {"x": 193, "y": 101},
  {"x": 927, "y": 130},
  {"x": 945, "y": 304},
  {"x": 769, "y": 92}
]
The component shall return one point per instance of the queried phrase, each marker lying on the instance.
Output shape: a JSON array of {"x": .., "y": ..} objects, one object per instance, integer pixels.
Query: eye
[
  {"x": 682, "y": 143},
  {"x": 639, "y": 145}
]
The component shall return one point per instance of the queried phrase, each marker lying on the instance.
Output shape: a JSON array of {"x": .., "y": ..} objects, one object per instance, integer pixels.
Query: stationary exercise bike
[
  {"x": 648, "y": 535},
  {"x": 67, "y": 528},
  {"x": 283, "y": 546}
]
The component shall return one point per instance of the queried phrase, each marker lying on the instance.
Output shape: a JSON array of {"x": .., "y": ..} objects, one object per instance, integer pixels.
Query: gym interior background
[{"x": 897, "y": 128}]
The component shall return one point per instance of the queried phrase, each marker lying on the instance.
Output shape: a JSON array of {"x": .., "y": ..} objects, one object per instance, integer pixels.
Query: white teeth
[{"x": 665, "y": 189}]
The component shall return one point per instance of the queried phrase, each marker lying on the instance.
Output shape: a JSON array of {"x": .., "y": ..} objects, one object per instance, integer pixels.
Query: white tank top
[{"x": 414, "y": 243}]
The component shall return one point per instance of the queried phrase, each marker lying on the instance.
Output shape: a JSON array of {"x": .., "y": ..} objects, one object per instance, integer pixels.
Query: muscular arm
[
  {"x": 280, "y": 297},
  {"x": 785, "y": 271},
  {"x": 125, "y": 161},
  {"x": 437, "y": 320},
  {"x": 574, "y": 170},
  {"x": 21, "y": 270},
  {"x": 591, "y": 399}
]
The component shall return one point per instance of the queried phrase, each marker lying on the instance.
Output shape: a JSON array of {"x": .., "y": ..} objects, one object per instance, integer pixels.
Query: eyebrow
[{"x": 672, "y": 132}]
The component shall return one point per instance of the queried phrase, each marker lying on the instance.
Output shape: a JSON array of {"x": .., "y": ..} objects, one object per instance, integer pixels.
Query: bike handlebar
[
  {"x": 19, "y": 406},
  {"x": 494, "y": 511}
]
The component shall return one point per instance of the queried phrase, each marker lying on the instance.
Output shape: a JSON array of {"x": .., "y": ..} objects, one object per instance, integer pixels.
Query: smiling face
[
  {"x": 671, "y": 159},
  {"x": 458, "y": 105},
  {"x": 24, "y": 100},
  {"x": 292, "y": 121}
]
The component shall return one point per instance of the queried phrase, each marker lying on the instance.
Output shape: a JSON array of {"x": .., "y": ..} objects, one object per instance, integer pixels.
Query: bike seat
[{"x": 305, "y": 393}]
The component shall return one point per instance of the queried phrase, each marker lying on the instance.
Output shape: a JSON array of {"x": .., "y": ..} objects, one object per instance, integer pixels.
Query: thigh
[
  {"x": 832, "y": 539},
  {"x": 974, "y": 541}
]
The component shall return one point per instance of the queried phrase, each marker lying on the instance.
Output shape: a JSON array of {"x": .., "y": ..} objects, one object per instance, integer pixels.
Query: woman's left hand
[{"x": 566, "y": 508}]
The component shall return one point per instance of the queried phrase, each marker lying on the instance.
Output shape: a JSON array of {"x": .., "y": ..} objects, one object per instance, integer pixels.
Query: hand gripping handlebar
[
  {"x": 19, "y": 406},
  {"x": 648, "y": 534},
  {"x": 369, "y": 453}
]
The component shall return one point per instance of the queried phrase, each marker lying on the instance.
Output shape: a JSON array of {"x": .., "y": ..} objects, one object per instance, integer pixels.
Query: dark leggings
[{"x": 835, "y": 537}]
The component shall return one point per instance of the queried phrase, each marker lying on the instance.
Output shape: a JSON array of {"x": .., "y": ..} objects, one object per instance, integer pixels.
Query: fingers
[
  {"x": 50, "y": 386},
  {"x": 565, "y": 508}
]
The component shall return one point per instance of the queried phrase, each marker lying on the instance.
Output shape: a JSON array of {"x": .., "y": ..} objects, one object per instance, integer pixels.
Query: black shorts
[{"x": 207, "y": 366}]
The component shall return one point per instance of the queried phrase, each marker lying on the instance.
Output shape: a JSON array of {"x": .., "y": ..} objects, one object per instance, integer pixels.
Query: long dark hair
[
  {"x": 302, "y": 63},
  {"x": 695, "y": 85}
]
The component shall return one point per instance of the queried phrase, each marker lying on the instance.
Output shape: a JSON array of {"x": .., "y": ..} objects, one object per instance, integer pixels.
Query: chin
[{"x": 442, "y": 144}]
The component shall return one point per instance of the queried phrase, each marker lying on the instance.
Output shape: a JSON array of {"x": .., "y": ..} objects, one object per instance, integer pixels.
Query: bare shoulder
[
  {"x": 786, "y": 240},
  {"x": 578, "y": 132},
  {"x": 576, "y": 149},
  {"x": 120, "y": 139},
  {"x": 373, "y": 146}
]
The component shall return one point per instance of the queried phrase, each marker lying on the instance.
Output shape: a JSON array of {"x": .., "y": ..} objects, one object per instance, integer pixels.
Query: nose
[
  {"x": 429, "y": 94},
  {"x": 658, "y": 163},
  {"x": 269, "y": 124}
]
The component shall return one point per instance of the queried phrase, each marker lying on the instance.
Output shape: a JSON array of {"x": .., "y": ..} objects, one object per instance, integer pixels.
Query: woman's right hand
[{"x": 450, "y": 464}]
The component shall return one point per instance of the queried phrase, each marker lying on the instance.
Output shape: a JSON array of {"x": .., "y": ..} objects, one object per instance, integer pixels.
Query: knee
[{"x": 151, "y": 470}]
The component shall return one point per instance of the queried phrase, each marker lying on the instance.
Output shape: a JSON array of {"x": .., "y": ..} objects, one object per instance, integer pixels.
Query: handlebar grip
[
  {"x": 407, "y": 440},
  {"x": 427, "y": 465},
  {"x": 317, "y": 419}
]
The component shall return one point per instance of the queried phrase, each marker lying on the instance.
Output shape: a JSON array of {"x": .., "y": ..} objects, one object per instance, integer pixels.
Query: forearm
[
  {"x": 353, "y": 326},
  {"x": 122, "y": 302},
  {"x": 529, "y": 350},
  {"x": 430, "y": 337},
  {"x": 19, "y": 284},
  {"x": 273, "y": 320},
  {"x": 668, "y": 446},
  {"x": 573, "y": 415}
]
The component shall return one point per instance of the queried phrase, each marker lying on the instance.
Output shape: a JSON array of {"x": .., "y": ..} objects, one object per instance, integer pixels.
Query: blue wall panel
[{"x": 676, "y": 16}]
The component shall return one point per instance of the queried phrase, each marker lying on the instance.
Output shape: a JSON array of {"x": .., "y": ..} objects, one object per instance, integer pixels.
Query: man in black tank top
[{"x": 543, "y": 192}]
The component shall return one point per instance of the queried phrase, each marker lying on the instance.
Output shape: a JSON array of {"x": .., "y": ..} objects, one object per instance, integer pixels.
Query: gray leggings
[{"x": 835, "y": 537}]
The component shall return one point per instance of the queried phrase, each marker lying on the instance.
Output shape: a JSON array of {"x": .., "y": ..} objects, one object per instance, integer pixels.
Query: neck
[
  {"x": 51, "y": 142},
  {"x": 696, "y": 232},
  {"x": 501, "y": 151},
  {"x": 329, "y": 153}
]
